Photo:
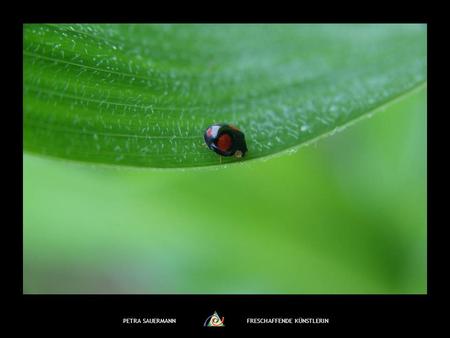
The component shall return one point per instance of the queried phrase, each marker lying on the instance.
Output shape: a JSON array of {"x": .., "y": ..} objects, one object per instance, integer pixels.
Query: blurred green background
[{"x": 344, "y": 215}]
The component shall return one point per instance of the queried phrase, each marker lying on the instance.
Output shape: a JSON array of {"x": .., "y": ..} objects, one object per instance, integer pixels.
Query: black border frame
[{"x": 347, "y": 312}]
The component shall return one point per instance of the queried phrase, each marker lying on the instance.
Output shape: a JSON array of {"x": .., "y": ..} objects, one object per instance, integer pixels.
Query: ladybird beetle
[{"x": 226, "y": 140}]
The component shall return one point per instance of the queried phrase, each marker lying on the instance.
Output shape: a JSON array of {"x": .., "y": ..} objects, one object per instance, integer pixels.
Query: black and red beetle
[{"x": 226, "y": 140}]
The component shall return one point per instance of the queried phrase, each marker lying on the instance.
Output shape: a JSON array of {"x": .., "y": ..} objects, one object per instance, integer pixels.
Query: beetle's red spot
[
  {"x": 209, "y": 132},
  {"x": 224, "y": 142}
]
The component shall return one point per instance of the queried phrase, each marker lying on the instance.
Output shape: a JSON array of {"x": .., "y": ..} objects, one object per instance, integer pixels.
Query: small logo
[{"x": 214, "y": 320}]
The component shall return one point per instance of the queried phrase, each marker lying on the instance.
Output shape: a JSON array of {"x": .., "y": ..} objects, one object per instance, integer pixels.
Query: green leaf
[{"x": 142, "y": 95}]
